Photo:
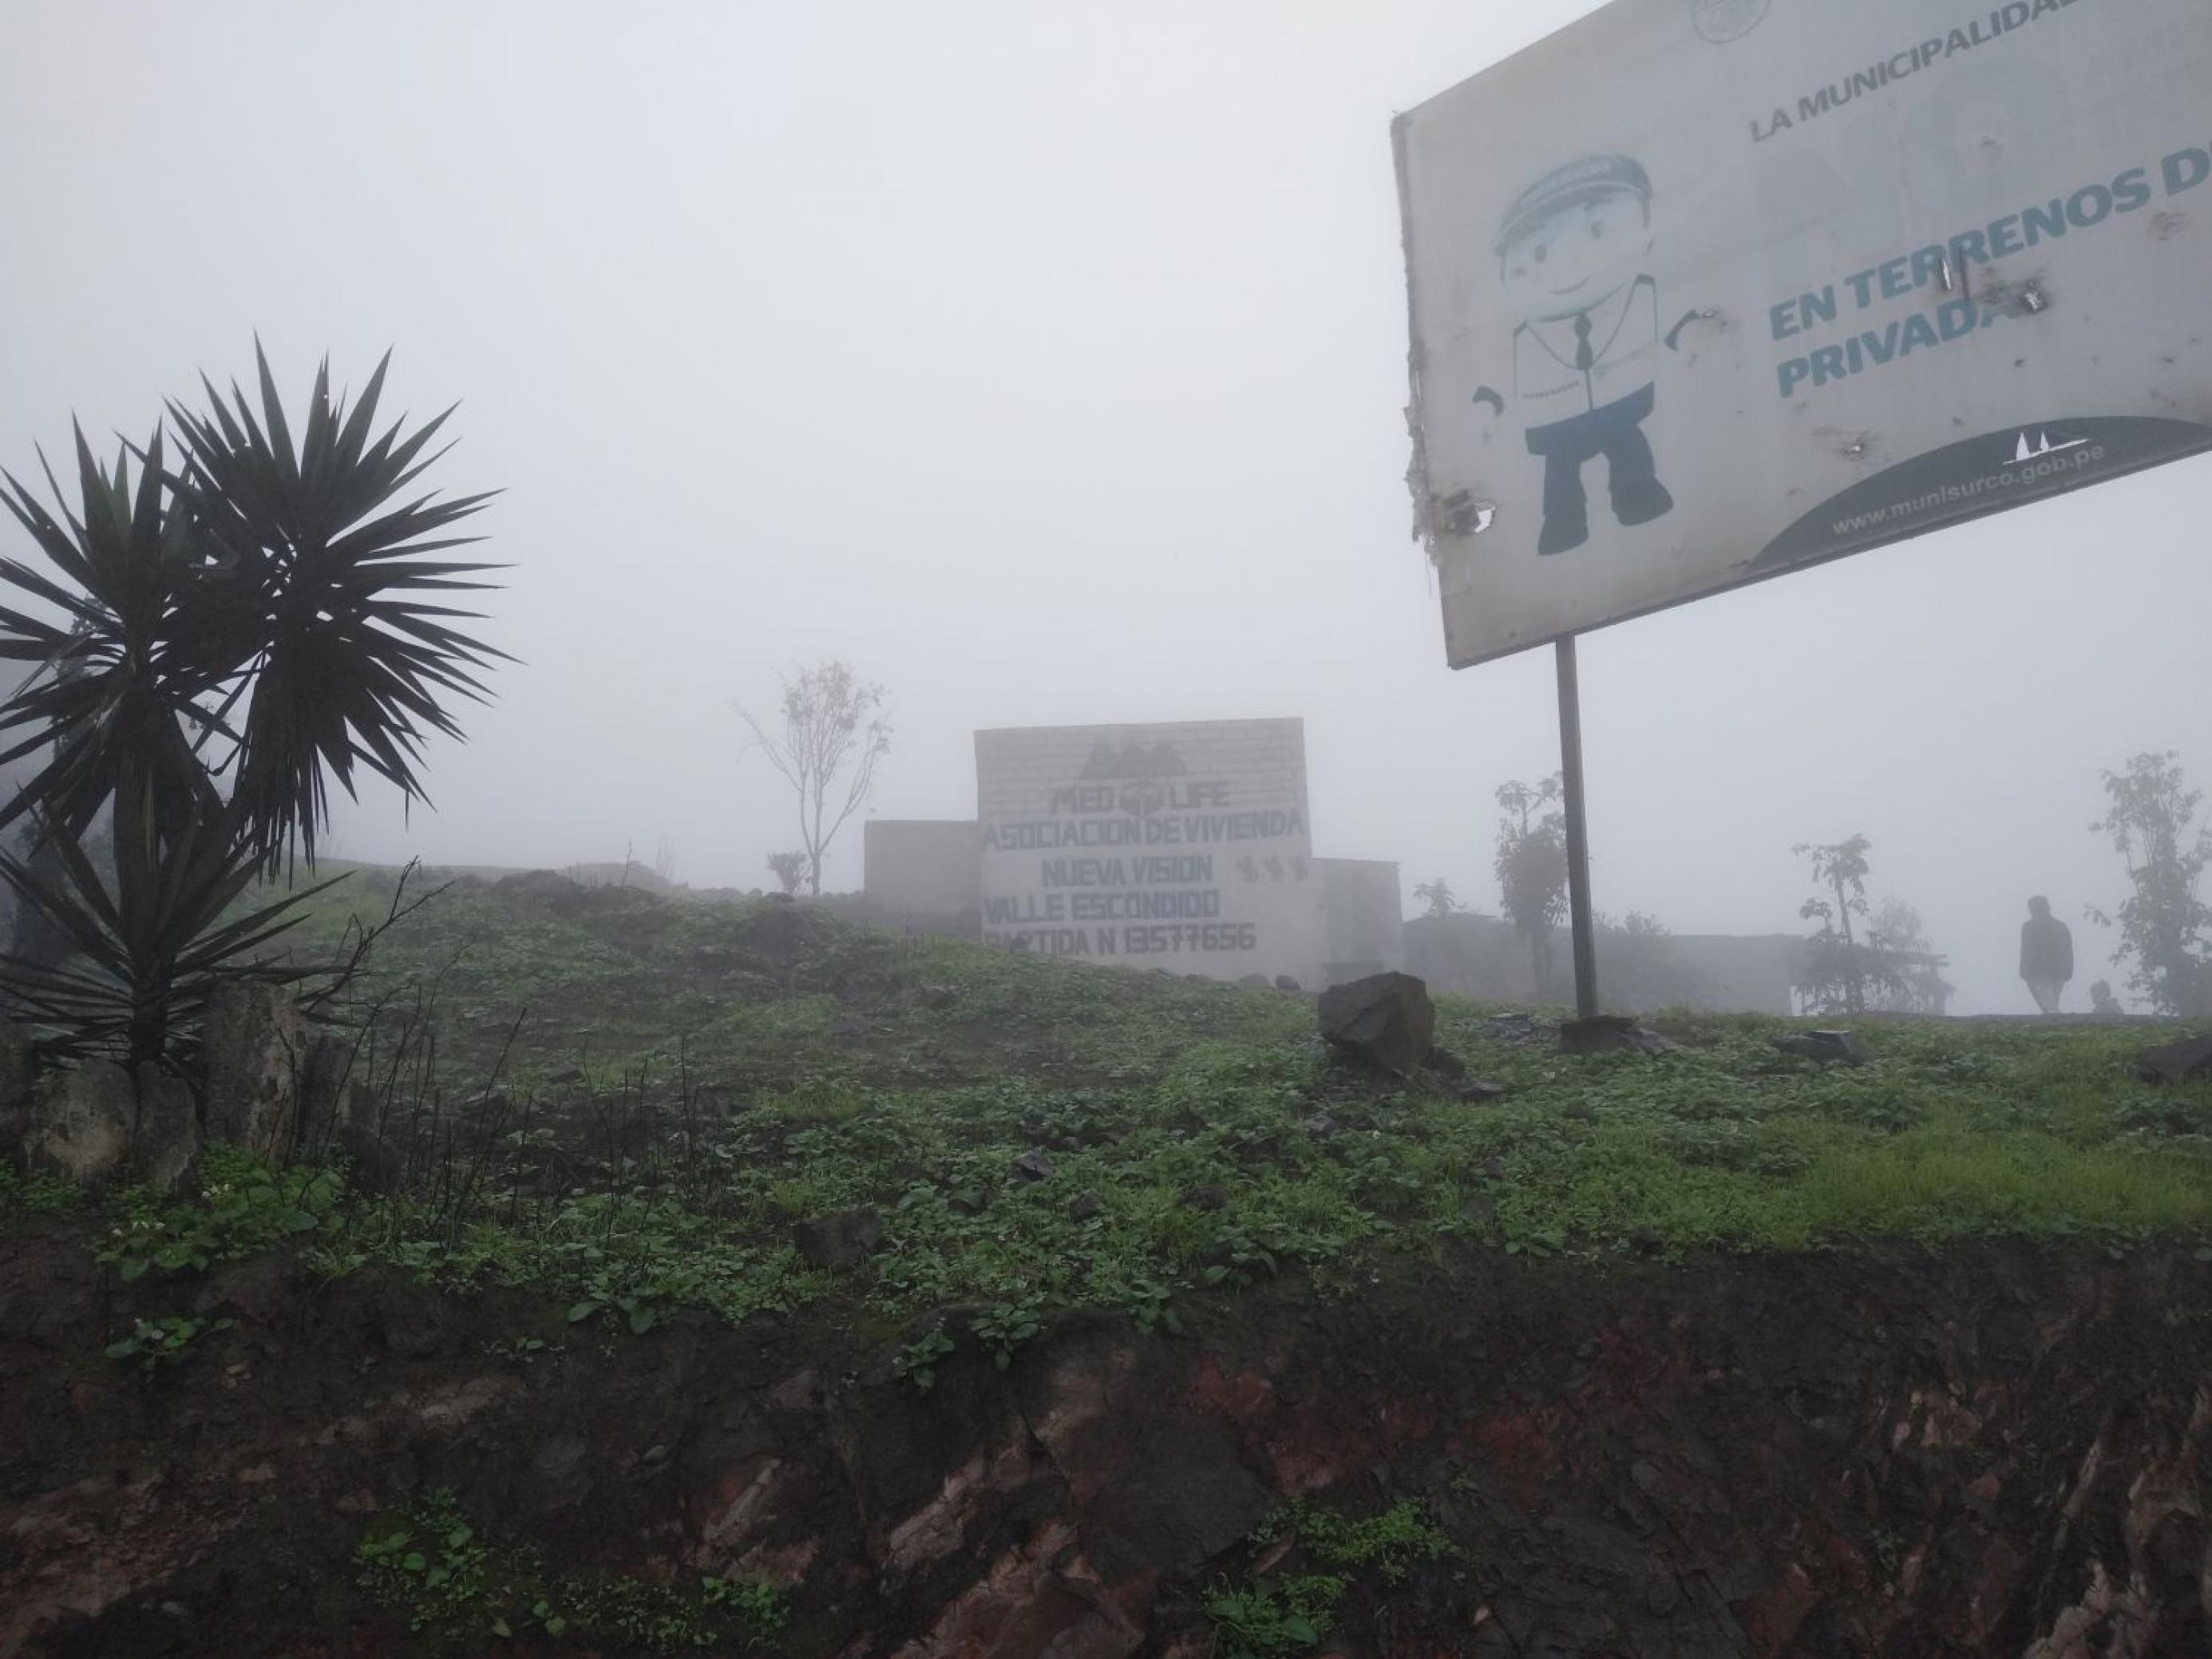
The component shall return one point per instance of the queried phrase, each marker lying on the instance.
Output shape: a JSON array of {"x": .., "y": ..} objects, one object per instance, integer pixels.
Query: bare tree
[
  {"x": 788, "y": 868},
  {"x": 832, "y": 725}
]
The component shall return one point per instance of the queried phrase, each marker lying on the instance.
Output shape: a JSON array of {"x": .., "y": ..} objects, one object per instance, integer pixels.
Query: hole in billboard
[
  {"x": 2026, "y": 297},
  {"x": 1462, "y": 515},
  {"x": 1473, "y": 518}
]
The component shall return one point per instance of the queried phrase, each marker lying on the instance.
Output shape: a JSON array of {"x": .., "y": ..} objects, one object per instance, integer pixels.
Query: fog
[{"x": 1048, "y": 364}]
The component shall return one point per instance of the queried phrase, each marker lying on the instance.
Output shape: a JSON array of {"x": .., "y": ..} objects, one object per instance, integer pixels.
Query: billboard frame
[{"x": 1937, "y": 485}]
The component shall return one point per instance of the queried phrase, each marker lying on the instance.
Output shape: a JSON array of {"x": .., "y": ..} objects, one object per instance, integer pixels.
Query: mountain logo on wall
[{"x": 1133, "y": 759}]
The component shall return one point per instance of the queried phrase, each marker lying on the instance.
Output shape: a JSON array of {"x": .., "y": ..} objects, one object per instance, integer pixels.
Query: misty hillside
[{"x": 712, "y": 1274}]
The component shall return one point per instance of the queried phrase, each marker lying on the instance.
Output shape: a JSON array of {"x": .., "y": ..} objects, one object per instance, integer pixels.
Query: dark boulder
[
  {"x": 539, "y": 894},
  {"x": 1611, "y": 1034},
  {"x": 1385, "y": 1020},
  {"x": 165, "y": 1137},
  {"x": 839, "y": 1242},
  {"x": 2189, "y": 1061},
  {"x": 1839, "y": 1047}
]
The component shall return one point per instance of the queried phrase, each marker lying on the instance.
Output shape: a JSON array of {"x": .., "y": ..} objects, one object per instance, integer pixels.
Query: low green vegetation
[
  {"x": 1391, "y": 1544},
  {"x": 153, "y": 1343},
  {"x": 242, "y": 1208},
  {"x": 631, "y": 1107},
  {"x": 1289, "y": 1613},
  {"x": 459, "y": 1587},
  {"x": 35, "y": 1195}
]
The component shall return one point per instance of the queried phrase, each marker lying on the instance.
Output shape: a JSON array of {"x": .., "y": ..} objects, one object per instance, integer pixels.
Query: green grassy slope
[{"x": 678, "y": 1084}]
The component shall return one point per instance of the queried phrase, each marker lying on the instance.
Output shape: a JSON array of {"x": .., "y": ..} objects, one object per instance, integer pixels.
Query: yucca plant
[{"x": 229, "y": 634}]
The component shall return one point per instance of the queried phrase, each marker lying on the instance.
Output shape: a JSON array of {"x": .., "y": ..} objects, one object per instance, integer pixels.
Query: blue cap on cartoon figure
[{"x": 1589, "y": 179}]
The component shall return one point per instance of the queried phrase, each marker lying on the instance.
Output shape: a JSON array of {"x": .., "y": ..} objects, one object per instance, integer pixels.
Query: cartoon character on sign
[{"x": 1571, "y": 259}]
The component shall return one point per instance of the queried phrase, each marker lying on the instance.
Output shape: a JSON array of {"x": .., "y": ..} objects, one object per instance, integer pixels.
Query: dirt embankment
[{"x": 1993, "y": 1451}]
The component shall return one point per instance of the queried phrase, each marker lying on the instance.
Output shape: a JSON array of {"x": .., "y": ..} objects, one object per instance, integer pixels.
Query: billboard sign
[
  {"x": 1183, "y": 847},
  {"x": 1702, "y": 291}
]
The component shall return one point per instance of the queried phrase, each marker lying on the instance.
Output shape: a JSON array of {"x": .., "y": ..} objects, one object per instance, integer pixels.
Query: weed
[
  {"x": 520, "y": 1349},
  {"x": 917, "y": 1361},
  {"x": 1005, "y": 1326},
  {"x": 1273, "y": 1616},
  {"x": 1392, "y": 1543},
  {"x": 36, "y": 1195},
  {"x": 1151, "y": 1305},
  {"x": 457, "y": 1586},
  {"x": 244, "y": 1205},
  {"x": 156, "y": 1344}
]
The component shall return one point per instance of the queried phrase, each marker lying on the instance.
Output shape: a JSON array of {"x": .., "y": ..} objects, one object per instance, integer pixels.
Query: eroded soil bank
[{"x": 1990, "y": 1450}]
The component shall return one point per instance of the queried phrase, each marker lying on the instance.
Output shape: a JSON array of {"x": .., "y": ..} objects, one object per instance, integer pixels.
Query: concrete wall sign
[
  {"x": 1184, "y": 846},
  {"x": 1706, "y": 290}
]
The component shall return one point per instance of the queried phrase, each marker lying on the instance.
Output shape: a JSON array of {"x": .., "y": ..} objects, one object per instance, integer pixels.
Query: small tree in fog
[
  {"x": 1884, "y": 965},
  {"x": 1532, "y": 868},
  {"x": 1641, "y": 966},
  {"x": 1438, "y": 897},
  {"x": 1907, "y": 973},
  {"x": 833, "y": 734},
  {"x": 2165, "y": 930},
  {"x": 1835, "y": 976},
  {"x": 789, "y": 868}
]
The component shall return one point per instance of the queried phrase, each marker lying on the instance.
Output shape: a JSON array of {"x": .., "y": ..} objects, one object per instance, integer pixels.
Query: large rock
[
  {"x": 1611, "y": 1034},
  {"x": 2187, "y": 1061},
  {"x": 333, "y": 1101},
  {"x": 165, "y": 1143},
  {"x": 839, "y": 1242},
  {"x": 1385, "y": 1020},
  {"x": 81, "y": 1121},
  {"x": 1841, "y": 1047},
  {"x": 257, "y": 1049},
  {"x": 539, "y": 894}
]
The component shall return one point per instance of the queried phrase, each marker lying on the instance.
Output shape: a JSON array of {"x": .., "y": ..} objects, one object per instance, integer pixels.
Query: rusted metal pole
[{"x": 1571, "y": 775}]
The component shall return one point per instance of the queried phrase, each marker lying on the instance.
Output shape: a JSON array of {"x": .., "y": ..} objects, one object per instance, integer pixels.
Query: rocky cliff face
[{"x": 1993, "y": 1451}]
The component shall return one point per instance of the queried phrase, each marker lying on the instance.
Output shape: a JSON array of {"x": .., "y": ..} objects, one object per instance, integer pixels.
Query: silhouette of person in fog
[{"x": 2046, "y": 955}]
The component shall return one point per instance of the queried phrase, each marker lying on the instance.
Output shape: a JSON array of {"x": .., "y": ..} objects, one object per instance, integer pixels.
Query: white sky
[{"x": 1046, "y": 361}]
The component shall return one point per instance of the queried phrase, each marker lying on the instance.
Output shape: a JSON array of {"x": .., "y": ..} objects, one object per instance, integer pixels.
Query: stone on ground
[
  {"x": 256, "y": 1050},
  {"x": 81, "y": 1121},
  {"x": 1611, "y": 1034},
  {"x": 165, "y": 1147},
  {"x": 1385, "y": 1020},
  {"x": 1840, "y": 1047},
  {"x": 2189, "y": 1061},
  {"x": 838, "y": 1242}
]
